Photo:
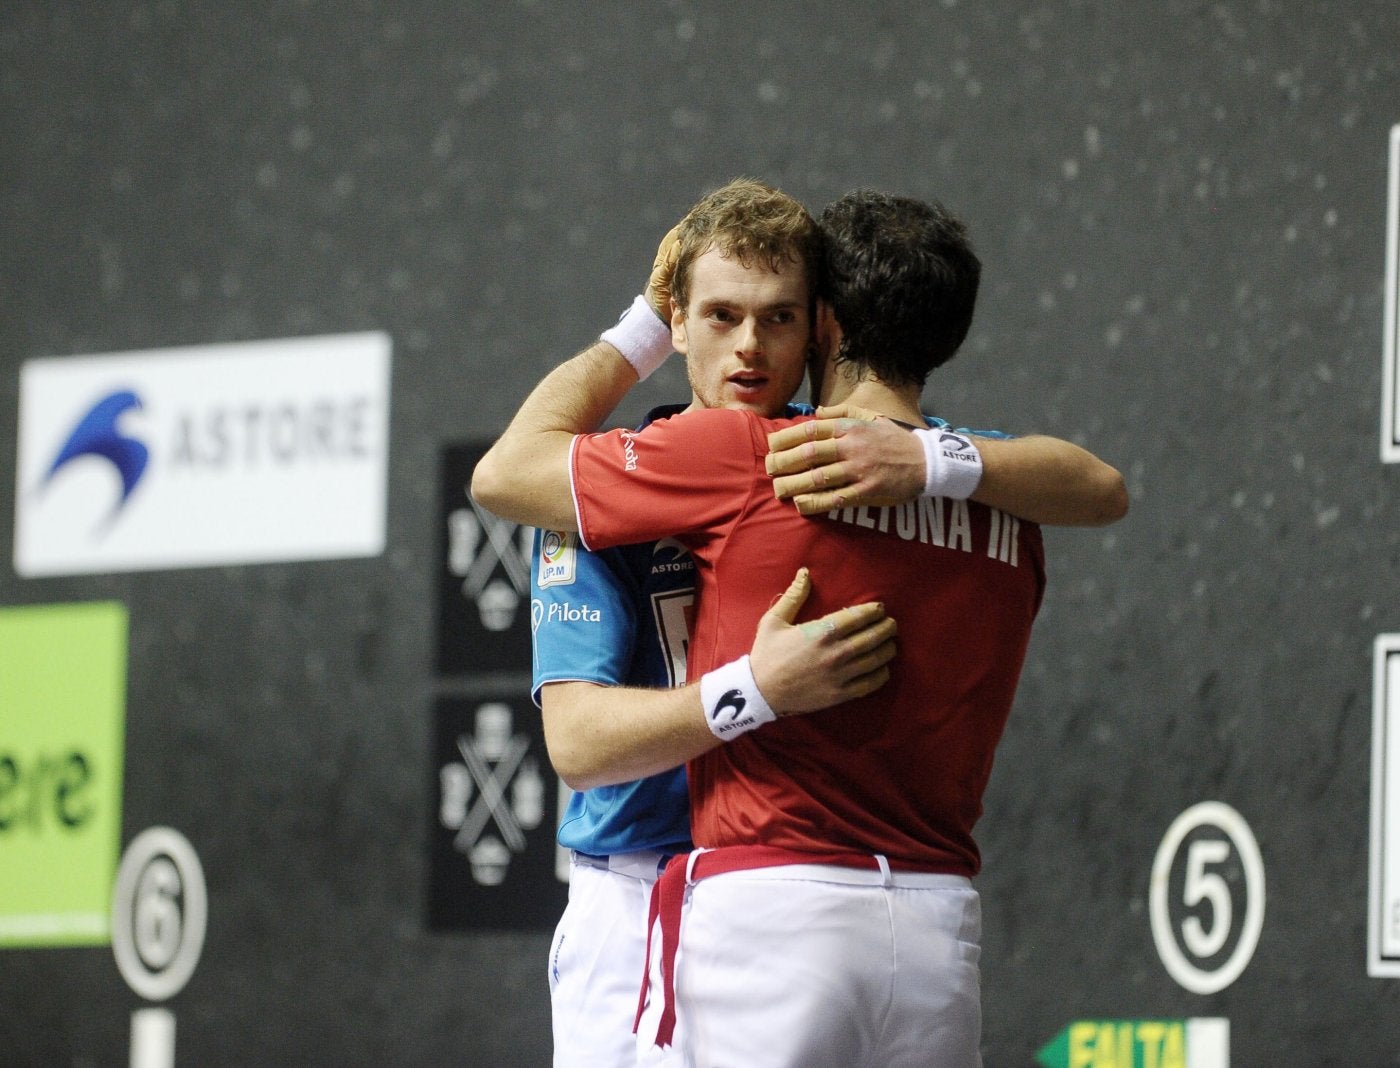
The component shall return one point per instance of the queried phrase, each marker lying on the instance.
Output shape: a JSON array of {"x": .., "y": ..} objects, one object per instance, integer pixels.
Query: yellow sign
[
  {"x": 62, "y": 736},
  {"x": 1197, "y": 1043}
]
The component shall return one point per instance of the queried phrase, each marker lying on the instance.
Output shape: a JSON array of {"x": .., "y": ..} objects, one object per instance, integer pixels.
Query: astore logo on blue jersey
[
  {"x": 669, "y": 554},
  {"x": 97, "y": 434}
]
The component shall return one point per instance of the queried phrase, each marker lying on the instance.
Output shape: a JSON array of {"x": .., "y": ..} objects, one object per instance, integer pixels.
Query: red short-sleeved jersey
[{"x": 901, "y": 772}]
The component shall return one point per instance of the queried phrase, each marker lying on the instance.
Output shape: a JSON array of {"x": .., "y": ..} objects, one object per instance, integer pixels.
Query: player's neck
[{"x": 897, "y": 402}]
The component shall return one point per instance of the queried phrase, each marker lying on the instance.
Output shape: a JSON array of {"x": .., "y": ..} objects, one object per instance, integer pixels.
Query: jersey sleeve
[
  {"x": 583, "y": 623},
  {"x": 690, "y": 474}
]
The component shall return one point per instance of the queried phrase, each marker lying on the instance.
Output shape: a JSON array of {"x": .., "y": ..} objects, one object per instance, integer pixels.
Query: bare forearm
[
  {"x": 602, "y": 735},
  {"x": 524, "y": 476},
  {"x": 850, "y": 457},
  {"x": 1050, "y": 481}
]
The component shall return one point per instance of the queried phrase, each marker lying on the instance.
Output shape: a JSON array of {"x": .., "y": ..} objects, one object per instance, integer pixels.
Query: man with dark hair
[{"x": 830, "y": 918}]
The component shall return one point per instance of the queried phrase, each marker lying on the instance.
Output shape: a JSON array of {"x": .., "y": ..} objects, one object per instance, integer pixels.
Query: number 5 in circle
[{"x": 1206, "y": 932}]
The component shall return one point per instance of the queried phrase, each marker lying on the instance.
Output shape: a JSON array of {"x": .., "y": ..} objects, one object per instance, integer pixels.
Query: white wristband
[
  {"x": 733, "y": 705},
  {"x": 642, "y": 338},
  {"x": 952, "y": 464}
]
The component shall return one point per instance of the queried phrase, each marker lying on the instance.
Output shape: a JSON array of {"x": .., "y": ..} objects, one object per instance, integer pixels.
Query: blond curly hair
[{"x": 751, "y": 222}]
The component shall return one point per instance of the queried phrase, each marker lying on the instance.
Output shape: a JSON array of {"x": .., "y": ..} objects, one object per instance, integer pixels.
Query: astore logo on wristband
[
  {"x": 961, "y": 449},
  {"x": 729, "y": 699}
]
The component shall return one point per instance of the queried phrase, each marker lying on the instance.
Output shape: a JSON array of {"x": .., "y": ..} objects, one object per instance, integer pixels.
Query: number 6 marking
[
  {"x": 1210, "y": 887},
  {"x": 159, "y": 908}
]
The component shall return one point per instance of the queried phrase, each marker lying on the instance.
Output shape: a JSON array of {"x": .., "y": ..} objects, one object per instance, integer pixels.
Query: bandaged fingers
[
  {"x": 805, "y": 445},
  {"x": 819, "y": 479},
  {"x": 866, "y": 649},
  {"x": 847, "y": 413},
  {"x": 854, "y": 648},
  {"x": 833, "y": 500},
  {"x": 864, "y": 685},
  {"x": 802, "y": 667},
  {"x": 874, "y": 638},
  {"x": 835, "y": 626}
]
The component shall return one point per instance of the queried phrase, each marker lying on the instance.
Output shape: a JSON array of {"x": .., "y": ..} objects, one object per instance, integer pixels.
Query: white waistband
[
  {"x": 835, "y": 873},
  {"x": 644, "y": 864}
]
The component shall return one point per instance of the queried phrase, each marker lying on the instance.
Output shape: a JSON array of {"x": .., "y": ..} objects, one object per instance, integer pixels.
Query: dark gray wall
[{"x": 1181, "y": 210}]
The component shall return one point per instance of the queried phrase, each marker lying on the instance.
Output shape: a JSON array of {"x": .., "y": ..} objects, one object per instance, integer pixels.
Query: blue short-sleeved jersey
[{"x": 616, "y": 618}]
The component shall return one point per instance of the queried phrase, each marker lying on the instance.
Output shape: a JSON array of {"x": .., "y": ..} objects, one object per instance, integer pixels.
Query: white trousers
[
  {"x": 596, "y": 963},
  {"x": 805, "y": 966}
]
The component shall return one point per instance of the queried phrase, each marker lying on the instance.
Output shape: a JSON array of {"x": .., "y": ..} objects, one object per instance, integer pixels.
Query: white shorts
[
  {"x": 802, "y": 966},
  {"x": 597, "y": 960}
]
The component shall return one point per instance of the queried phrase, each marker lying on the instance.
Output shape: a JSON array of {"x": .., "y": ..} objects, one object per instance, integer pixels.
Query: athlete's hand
[
  {"x": 658, "y": 291},
  {"x": 802, "y": 667},
  {"x": 846, "y": 456}
]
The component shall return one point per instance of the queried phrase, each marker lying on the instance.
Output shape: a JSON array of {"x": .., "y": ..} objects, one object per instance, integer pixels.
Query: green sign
[
  {"x": 62, "y": 728},
  {"x": 1197, "y": 1043}
]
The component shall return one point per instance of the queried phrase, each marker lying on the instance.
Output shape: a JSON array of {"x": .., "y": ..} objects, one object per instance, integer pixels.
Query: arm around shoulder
[
  {"x": 850, "y": 457},
  {"x": 507, "y": 483},
  {"x": 1050, "y": 481},
  {"x": 525, "y": 475}
]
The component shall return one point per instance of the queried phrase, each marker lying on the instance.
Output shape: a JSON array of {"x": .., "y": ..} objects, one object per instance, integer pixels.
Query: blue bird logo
[{"x": 96, "y": 434}]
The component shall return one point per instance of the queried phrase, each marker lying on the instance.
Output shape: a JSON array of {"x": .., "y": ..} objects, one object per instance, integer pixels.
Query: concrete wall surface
[{"x": 1181, "y": 208}]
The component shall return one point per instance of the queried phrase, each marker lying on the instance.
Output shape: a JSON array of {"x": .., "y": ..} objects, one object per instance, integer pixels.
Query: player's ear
[{"x": 679, "y": 341}]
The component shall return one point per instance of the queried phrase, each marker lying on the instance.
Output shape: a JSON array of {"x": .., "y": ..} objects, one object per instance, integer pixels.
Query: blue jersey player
[{"x": 612, "y": 618}]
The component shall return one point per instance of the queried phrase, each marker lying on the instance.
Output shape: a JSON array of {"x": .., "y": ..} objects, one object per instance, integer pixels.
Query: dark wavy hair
[{"x": 902, "y": 279}]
